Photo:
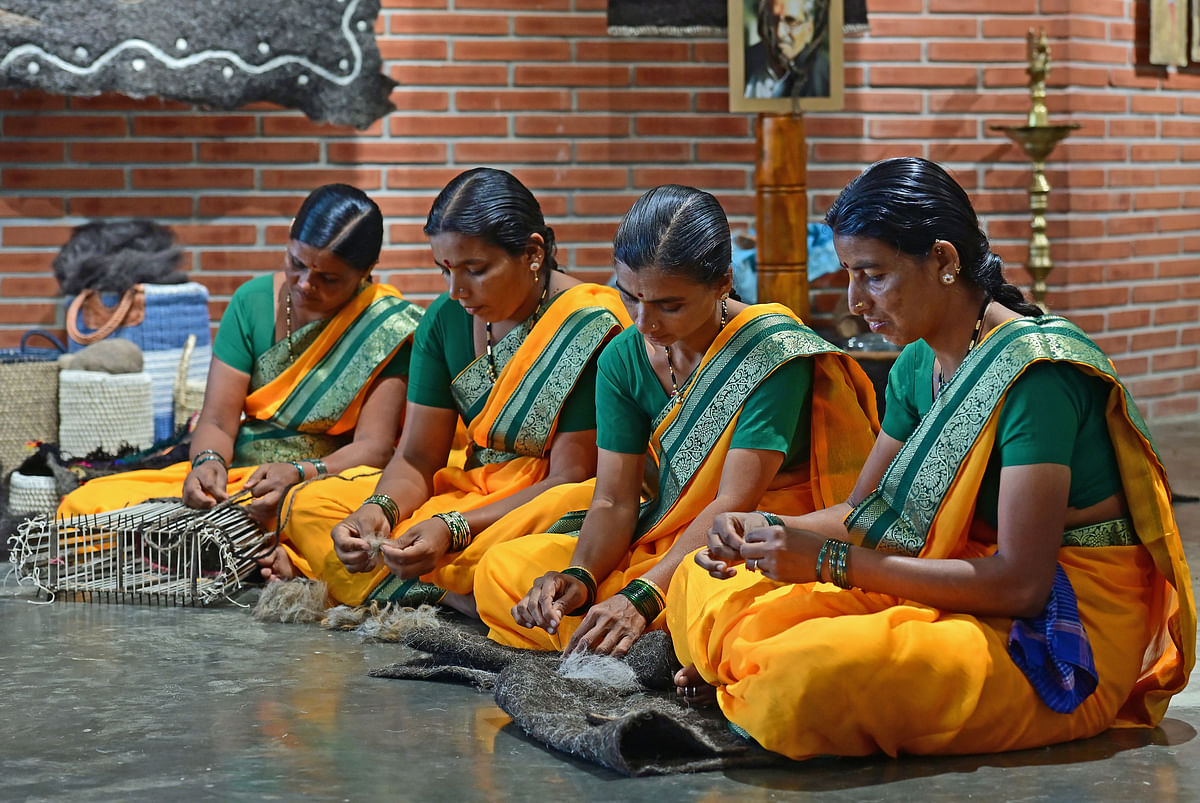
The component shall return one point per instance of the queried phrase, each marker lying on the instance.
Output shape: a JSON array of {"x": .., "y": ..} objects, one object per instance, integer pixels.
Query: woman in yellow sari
[
  {"x": 510, "y": 349},
  {"x": 735, "y": 403},
  {"x": 1007, "y": 572},
  {"x": 307, "y": 375}
]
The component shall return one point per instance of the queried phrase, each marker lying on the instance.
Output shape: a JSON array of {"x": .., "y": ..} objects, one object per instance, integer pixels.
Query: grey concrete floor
[{"x": 121, "y": 702}]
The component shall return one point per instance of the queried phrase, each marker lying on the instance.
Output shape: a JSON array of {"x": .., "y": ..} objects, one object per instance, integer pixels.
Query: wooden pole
[{"x": 781, "y": 210}]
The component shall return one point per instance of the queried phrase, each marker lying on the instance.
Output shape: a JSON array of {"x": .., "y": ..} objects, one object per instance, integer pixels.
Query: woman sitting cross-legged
[
  {"x": 511, "y": 350},
  {"x": 1007, "y": 572},
  {"x": 307, "y": 376},
  {"x": 735, "y": 403}
]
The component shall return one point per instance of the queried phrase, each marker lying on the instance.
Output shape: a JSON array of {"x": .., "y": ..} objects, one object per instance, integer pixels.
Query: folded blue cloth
[{"x": 1052, "y": 650}]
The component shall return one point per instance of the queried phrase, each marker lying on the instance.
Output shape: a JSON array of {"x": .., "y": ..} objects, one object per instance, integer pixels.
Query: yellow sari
[
  {"x": 539, "y": 364},
  {"x": 812, "y": 669},
  {"x": 690, "y": 443},
  {"x": 293, "y": 410}
]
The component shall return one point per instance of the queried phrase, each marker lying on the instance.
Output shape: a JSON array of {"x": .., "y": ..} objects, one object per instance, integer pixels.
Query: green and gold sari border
[
  {"x": 528, "y": 416},
  {"x": 411, "y": 593},
  {"x": 1114, "y": 532},
  {"x": 471, "y": 387}
]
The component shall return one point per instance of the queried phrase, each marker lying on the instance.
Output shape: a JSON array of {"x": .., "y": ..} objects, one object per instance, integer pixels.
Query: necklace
[
  {"x": 288, "y": 305},
  {"x": 671, "y": 366},
  {"x": 487, "y": 327},
  {"x": 941, "y": 380}
]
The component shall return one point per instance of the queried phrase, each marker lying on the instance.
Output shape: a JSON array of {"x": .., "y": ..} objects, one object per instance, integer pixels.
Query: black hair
[
  {"x": 678, "y": 230},
  {"x": 910, "y": 203},
  {"x": 344, "y": 220},
  {"x": 494, "y": 206}
]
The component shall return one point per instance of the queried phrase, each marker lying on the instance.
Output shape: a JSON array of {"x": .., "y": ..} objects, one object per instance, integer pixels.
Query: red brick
[
  {"x": 576, "y": 177},
  {"x": 1179, "y": 406},
  {"x": 528, "y": 151},
  {"x": 14, "y": 178},
  {"x": 862, "y": 152},
  {"x": 1188, "y": 176},
  {"x": 247, "y": 260},
  {"x": 195, "y": 125},
  {"x": 817, "y": 126},
  {"x": 31, "y": 100},
  {"x": 595, "y": 258},
  {"x": 675, "y": 125},
  {"x": 512, "y": 100},
  {"x": 586, "y": 232},
  {"x": 1134, "y": 318},
  {"x": 972, "y": 152},
  {"x": 1157, "y": 200},
  {"x": 1129, "y": 366},
  {"x": 567, "y": 25},
  {"x": 30, "y": 206},
  {"x": 125, "y": 205},
  {"x": 1090, "y": 152},
  {"x": 655, "y": 75},
  {"x": 1126, "y": 77},
  {"x": 742, "y": 152},
  {"x": 710, "y": 51},
  {"x": 31, "y": 152},
  {"x": 450, "y": 75},
  {"x": 525, "y": 50},
  {"x": 64, "y": 125},
  {"x": 210, "y": 234},
  {"x": 1132, "y": 177},
  {"x": 255, "y": 205},
  {"x": 923, "y": 129},
  {"x": 406, "y": 233},
  {"x": 417, "y": 281},
  {"x": 602, "y": 204},
  {"x": 880, "y": 101},
  {"x": 705, "y": 178},
  {"x": 421, "y": 178},
  {"x": 407, "y": 125},
  {"x": 1121, "y": 226},
  {"x": 968, "y": 51},
  {"x": 522, "y": 5},
  {"x": 983, "y": 6},
  {"x": 1134, "y": 128},
  {"x": 456, "y": 23},
  {"x": 1098, "y": 102},
  {"x": 191, "y": 177},
  {"x": 1168, "y": 316},
  {"x": 387, "y": 152},
  {"x": 636, "y": 151},
  {"x": 1100, "y": 297},
  {"x": 1149, "y": 341},
  {"x": 558, "y": 75},
  {"x": 28, "y": 313},
  {"x": 405, "y": 100},
  {"x": 294, "y": 124},
  {"x": 413, "y": 50},
  {"x": 259, "y": 151},
  {"x": 111, "y": 101},
  {"x": 1154, "y": 153},
  {"x": 35, "y": 235},
  {"x": 576, "y": 125},
  {"x": 1157, "y": 292},
  {"x": 1154, "y": 104},
  {"x": 29, "y": 286},
  {"x": 302, "y": 179},
  {"x": 127, "y": 152},
  {"x": 1186, "y": 267},
  {"x": 1162, "y": 245},
  {"x": 627, "y": 50},
  {"x": 651, "y": 101}
]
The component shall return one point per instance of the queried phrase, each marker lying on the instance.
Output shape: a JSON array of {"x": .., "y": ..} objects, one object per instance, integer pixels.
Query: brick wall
[{"x": 589, "y": 122}]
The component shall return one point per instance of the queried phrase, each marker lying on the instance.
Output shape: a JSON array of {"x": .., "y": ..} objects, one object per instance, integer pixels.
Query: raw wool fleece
[
  {"x": 635, "y": 728},
  {"x": 112, "y": 256},
  {"x": 292, "y": 602}
]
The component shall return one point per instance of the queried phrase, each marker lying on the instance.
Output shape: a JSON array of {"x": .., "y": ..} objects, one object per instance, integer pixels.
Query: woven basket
[
  {"x": 28, "y": 398},
  {"x": 105, "y": 411},
  {"x": 31, "y": 496},
  {"x": 189, "y": 393}
]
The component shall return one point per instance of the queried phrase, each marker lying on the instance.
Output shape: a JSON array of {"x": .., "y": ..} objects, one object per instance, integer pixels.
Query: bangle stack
[
  {"x": 460, "y": 531},
  {"x": 208, "y": 455},
  {"x": 589, "y": 581},
  {"x": 299, "y": 467},
  {"x": 772, "y": 519},
  {"x": 837, "y": 553},
  {"x": 647, "y": 597},
  {"x": 319, "y": 466},
  {"x": 388, "y": 505}
]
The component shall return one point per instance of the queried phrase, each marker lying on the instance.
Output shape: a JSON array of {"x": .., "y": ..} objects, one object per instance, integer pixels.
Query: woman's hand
[
  {"x": 418, "y": 550},
  {"x": 350, "y": 534},
  {"x": 552, "y": 595},
  {"x": 609, "y": 628},
  {"x": 783, "y": 554},
  {"x": 267, "y": 485},
  {"x": 205, "y": 485},
  {"x": 725, "y": 540}
]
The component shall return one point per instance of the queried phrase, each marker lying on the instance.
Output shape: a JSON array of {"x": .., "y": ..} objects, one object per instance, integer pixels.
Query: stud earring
[{"x": 947, "y": 279}]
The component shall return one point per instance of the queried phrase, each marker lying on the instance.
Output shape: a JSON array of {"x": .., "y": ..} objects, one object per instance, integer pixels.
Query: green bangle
[
  {"x": 821, "y": 558},
  {"x": 206, "y": 455},
  {"x": 772, "y": 519},
  {"x": 296, "y": 464},
  {"x": 208, "y": 458},
  {"x": 460, "y": 531},
  {"x": 388, "y": 505},
  {"x": 589, "y": 581},
  {"x": 645, "y": 597},
  {"x": 319, "y": 466}
]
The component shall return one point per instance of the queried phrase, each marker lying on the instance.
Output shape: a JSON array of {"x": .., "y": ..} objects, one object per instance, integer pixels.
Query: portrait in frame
[{"x": 785, "y": 55}]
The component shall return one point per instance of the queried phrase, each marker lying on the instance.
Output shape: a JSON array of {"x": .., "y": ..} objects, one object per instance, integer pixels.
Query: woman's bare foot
[
  {"x": 464, "y": 604},
  {"x": 692, "y": 688},
  {"x": 277, "y": 566}
]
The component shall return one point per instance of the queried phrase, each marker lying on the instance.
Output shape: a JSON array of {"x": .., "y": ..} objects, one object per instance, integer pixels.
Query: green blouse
[
  {"x": 1053, "y": 413},
  {"x": 776, "y": 416},
  {"x": 247, "y": 329},
  {"x": 444, "y": 345}
]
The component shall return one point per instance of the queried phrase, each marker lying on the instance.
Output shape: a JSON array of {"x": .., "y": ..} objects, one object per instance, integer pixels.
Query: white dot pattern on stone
[
  {"x": 181, "y": 44},
  {"x": 344, "y": 64},
  {"x": 362, "y": 25},
  {"x": 227, "y": 72},
  {"x": 81, "y": 53},
  {"x": 138, "y": 64},
  {"x": 264, "y": 48},
  {"x": 34, "y": 68},
  {"x": 302, "y": 80}
]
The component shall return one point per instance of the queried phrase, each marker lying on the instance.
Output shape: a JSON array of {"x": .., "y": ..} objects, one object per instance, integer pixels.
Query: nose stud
[{"x": 859, "y": 305}]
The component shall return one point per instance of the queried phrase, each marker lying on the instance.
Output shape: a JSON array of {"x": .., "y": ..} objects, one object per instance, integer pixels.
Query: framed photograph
[{"x": 785, "y": 55}]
